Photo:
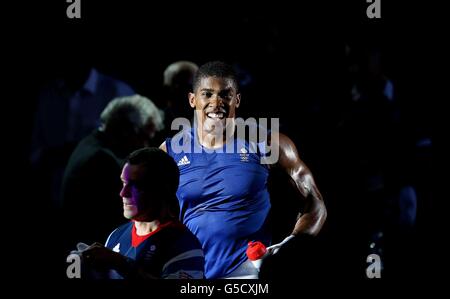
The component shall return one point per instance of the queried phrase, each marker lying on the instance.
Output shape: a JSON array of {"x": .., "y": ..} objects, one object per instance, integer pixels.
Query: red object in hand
[{"x": 256, "y": 250}]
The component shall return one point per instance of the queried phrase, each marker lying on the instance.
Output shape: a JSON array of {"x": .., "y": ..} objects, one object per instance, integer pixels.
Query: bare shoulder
[
  {"x": 285, "y": 145},
  {"x": 279, "y": 139},
  {"x": 282, "y": 149},
  {"x": 163, "y": 146}
]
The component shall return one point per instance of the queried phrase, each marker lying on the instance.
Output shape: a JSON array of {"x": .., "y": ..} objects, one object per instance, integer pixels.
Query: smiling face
[{"x": 215, "y": 99}]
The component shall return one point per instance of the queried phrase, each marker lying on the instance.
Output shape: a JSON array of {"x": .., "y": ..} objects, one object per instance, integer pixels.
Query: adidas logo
[
  {"x": 117, "y": 248},
  {"x": 184, "y": 161}
]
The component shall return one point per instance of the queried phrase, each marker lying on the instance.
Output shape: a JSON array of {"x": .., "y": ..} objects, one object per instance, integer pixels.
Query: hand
[
  {"x": 80, "y": 248},
  {"x": 271, "y": 250},
  {"x": 99, "y": 256}
]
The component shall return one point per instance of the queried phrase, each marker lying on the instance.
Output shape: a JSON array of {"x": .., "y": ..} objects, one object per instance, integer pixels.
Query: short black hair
[
  {"x": 161, "y": 174},
  {"x": 215, "y": 69},
  {"x": 160, "y": 168}
]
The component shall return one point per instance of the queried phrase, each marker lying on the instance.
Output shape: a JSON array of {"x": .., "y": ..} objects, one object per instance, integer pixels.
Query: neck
[
  {"x": 143, "y": 228},
  {"x": 213, "y": 139}
]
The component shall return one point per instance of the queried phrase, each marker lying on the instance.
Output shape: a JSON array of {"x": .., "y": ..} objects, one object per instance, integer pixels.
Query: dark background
[{"x": 295, "y": 55}]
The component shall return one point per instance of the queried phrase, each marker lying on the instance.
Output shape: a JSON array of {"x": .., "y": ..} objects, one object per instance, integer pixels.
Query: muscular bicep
[
  {"x": 314, "y": 214},
  {"x": 290, "y": 162}
]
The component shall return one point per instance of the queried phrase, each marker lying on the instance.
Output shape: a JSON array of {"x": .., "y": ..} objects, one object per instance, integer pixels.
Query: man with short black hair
[
  {"x": 154, "y": 244},
  {"x": 223, "y": 195}
]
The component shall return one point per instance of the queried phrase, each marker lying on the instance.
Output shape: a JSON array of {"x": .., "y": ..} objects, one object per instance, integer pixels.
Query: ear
[
  {"x": 238, "y": 100},
  {"x": 192, "y": 99}
]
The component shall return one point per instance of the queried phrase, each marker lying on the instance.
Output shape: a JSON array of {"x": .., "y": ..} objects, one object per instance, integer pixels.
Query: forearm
[{"x": 311, "y": 221}]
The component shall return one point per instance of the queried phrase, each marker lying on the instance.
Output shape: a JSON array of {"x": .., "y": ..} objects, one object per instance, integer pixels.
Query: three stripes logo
[{"x": 184, "y": 161}]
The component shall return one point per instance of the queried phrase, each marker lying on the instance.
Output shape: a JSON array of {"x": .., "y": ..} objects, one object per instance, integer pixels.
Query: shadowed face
[{"x": 138, "y": 204}]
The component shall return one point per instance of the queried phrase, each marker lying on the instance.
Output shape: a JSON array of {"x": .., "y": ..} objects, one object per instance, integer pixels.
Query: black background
[{"x": 295, "y": 52}]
